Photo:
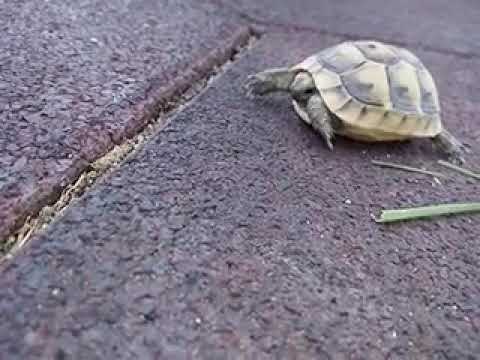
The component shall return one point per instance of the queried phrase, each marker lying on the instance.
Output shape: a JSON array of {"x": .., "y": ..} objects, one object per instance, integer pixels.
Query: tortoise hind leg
[
  {"x": 270, "y": 80},
  {"x": 450, "y": 146}
]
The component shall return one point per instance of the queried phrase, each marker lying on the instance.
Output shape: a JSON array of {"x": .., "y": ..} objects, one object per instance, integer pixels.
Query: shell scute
[
  {"x": 369, "y": 84},
  {"x": 376, "y": 51},
  {"x": 404, "y": 86},
  {"x": 342, "y": 58}
]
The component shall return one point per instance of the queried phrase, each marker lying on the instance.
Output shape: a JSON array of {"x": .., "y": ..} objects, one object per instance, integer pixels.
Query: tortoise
[{"x": 365, "y": 90}]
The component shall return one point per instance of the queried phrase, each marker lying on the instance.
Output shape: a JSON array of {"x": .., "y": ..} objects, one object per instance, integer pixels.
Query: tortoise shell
[{"x": 379, "y": 91}]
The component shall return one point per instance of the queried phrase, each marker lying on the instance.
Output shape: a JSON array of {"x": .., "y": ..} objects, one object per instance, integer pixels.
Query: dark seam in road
[
  {"x": 262, "y": 26},
  {"x": 185, "y": 88}
]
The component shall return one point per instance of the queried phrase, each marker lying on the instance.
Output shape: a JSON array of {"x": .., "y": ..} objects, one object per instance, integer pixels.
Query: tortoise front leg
[
  {"x": 450, "y": 146},
  {"x": 320, "y": 118},
  {"x": 270, "y": 80}
]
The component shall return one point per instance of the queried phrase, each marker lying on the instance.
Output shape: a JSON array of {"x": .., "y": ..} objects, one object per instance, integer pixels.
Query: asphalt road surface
[{"x": 232, "y": 233}]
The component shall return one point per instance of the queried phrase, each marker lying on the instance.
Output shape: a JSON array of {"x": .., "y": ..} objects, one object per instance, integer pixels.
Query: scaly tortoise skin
[{"x": 365, "y": 90}]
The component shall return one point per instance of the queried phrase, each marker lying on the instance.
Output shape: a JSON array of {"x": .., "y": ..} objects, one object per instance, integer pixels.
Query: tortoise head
[
  {"x": 303, "y": 82},
  {"x": 270, "y": 80},
  {"x": 302, "y": 86}
]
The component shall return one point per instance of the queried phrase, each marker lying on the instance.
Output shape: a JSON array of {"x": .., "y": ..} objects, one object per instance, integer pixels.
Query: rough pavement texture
[
  {"x": 78, "y": 76},
  {"x": 236, "y": 234},
  {"x": 450, "y": 26}
]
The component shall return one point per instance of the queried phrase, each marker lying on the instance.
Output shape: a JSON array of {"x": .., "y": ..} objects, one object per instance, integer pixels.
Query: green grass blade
[{"x": 427, "y": 212}]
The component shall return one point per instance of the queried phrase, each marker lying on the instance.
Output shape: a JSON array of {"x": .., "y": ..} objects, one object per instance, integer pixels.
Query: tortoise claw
[
  {"x": 457, "y": 160},
  {"x": 456, "y": 157},
  {"x": 254, "y": 86}
]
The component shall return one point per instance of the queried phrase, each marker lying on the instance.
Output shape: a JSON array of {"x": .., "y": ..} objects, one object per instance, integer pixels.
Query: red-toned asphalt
[{"x": 233, "y": 233}]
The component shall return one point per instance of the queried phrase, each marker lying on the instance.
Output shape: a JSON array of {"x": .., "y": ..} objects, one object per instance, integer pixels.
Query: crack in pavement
[{"x": 185, "y": 88}]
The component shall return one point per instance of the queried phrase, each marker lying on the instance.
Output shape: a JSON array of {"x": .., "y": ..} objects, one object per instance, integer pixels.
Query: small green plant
[
  {"x": 388, "y": 216},
  {"x": 430, "y": 211}
]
